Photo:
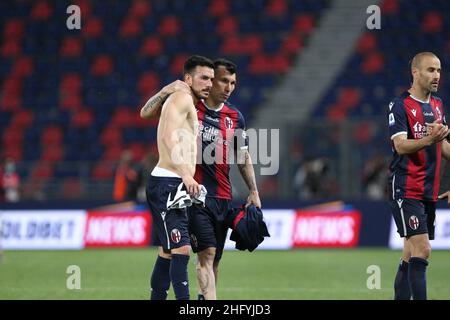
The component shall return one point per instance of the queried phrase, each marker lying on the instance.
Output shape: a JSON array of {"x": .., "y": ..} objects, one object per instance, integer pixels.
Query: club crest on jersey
[
  {"x": 228, "y": 123},
  {"x": 175, "y": 235},
  {"x": 413, "y": 222},
  {"x": 439, "y": 114}
]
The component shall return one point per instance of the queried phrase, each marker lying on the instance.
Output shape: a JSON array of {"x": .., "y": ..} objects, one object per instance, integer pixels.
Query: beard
[{"x": 200, "y": 94}]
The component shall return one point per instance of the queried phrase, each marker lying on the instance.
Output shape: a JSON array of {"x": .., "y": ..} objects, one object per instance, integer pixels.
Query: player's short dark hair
[
  {"x": 227, "y": 64},
  {"x": 196, "y": 61},
  {"x": 417, "y": 59}
]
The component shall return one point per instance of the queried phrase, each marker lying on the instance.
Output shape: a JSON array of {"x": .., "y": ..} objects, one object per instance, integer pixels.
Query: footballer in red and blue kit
[
  {"x": 218, "y": 127},
  {"x": 221, "y": 134},
  {"x": 415, "y": 178}
]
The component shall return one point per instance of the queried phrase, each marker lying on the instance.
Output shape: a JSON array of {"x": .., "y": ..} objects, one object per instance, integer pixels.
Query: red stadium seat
[
  {"x": 12, "y": 136},
  {"x": 280, "y": 64},
  {"x": 71, "y": 47},
  {"x": 12, "y": 151},
  {"x": 304, "y": 23},
  {"x": 176, "y": 66},
  {"x": 111, "y": 135},
  {"x": 259, "y": 64},
  {"x": 85, "y": 7},
  {"x": 124, "y": 117},
  {"x": 227, "y": 25},
  {"x": 139, "y": 9},
  {"x": 112, "y": 153},
  {"x": 52, "y": 153},
  {"x": 250, "y": 44},
  {"x": 432, "y": 23},
  {"x": 138, "y": 150},
  {"x": 42, "y": 10},
  {"x": 232, "y": 46},
  {"x": 218, "y": 8},
  {"x": 12, "y": 86},
  {"x": 253, "y": 43},
  {"x": 373, "y": 63},
  {"x": 148, "y": 84},
  {"x": 276, "y": 8},
  {"x": 152, "y": 46},
  {"x": 336, "y": 112},
  {"x": 292, "y": 44},
  {"x": 367, "y": 43},
  {"x": 10, "y": 102},
  {"x": 130, "y": 27},
  {"x": 22, "y": 119},
  {"x": 14, "y": 29},
  {"x": 102, "y": 171},
  {"x": 92, "y": 28},
  {"x": 349, "y": 97},
  {"x": 169, "y": 26},
  {"x": 52, "y": 135},
  {"x": 71, "y": 82},
  {"x": 23, "y": 67},
  {"x": 82, "y": 118},
  {"x": 70, "y": 100},
  {"x": 389, "y": 7},
  {"x": 102, "y": 65},
  {"x": 11, "y": 48}
]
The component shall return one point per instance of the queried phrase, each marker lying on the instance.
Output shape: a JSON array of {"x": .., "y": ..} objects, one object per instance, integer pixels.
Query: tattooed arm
[{"x": 152, "y": 107}]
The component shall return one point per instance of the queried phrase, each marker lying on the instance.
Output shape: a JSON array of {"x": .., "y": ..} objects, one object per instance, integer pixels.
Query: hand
[
  {"x": 177, "y": 85},
  {"x": 253, "y": 198},
  {"x": 437, "y": 131},
  {"x": 193, "y": 188},
  {"x": 445, "y": 195}
]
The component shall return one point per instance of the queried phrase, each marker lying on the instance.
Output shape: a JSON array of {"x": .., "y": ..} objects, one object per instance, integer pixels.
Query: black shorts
[
  {"x": 169, "y": 228},
  {"x": 207, "y": 225},
  {"x": 414, "y": 217}
]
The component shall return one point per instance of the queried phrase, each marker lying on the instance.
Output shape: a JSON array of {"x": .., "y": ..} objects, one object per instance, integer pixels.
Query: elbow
[{"x": 143, "y": 115}]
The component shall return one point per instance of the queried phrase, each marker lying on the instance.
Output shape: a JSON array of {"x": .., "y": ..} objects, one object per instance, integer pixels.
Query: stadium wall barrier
[
  {"x": 316, "y": 225},
  {"x": 42, "y": 229}
]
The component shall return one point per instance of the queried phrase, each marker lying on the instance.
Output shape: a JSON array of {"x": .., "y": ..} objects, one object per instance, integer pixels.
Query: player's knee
[
  {"x": 425, "y": 251},
  {"x": 206, "y": 257},
  {"x": 185, "y": 250},
  {"x": 422, "y": 250},
  {"x": 163, "y": 254}
]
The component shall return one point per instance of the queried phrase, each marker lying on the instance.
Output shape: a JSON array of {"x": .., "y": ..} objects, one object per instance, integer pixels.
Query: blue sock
[
  {"x": 417, "y": 278},
  {"x": 401, "y": 284},
  {"x": 179, "y": 276},
  {"x": 160, "y": 280}
]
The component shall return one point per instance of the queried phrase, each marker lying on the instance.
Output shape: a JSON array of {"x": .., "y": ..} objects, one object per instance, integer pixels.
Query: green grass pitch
[{"x": 265, "y": 275}]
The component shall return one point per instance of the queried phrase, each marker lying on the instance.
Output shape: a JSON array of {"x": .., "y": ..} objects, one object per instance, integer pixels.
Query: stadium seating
[{"x": 74, "y": 95}]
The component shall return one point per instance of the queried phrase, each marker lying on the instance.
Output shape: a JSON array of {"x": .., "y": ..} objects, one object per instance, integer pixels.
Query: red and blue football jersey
[
  {"x": 416, "y": 175},
  {"x": 221, "y": 134}
]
